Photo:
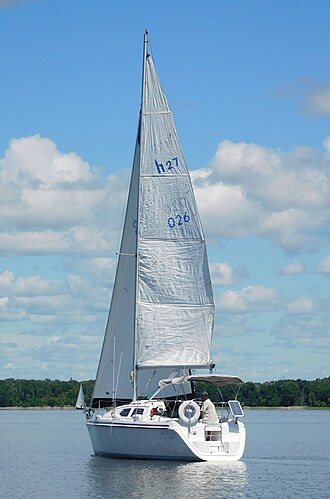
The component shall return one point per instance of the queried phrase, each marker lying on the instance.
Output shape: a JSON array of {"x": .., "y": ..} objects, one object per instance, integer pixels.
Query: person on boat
[{"x": 208, "y": 412}]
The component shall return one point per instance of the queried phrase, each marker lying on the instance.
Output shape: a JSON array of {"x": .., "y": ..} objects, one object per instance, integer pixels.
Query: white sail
[
  {"x": 80, "y": 403},
  {"x": 175, "y": 309},
  {"x": 116, "y": 361},
  {"x": 162, "y": 311}
]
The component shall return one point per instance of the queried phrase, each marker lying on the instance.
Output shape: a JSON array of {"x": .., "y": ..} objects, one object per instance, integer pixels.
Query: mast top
[{"x": 146, "y": 40}]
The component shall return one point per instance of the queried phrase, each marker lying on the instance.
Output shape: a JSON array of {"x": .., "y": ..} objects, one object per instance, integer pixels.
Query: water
[{"x": 47, "y": 454}]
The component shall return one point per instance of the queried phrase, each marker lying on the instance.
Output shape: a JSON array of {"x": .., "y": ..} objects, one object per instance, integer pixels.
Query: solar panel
[{"x": 235, "y": 408}]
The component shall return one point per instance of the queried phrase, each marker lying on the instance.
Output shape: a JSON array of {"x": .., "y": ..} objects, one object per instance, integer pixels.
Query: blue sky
[{"x": 249, "y": 86}]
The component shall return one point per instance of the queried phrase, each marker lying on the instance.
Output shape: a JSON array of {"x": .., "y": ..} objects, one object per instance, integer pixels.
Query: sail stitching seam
[
  {"x": 155, "y": 112},
  {"x": 164, "y": 175}
]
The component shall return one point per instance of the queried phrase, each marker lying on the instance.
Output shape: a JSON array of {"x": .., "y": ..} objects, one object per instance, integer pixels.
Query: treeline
[
  {"x": 41, "y": 393},
  {"x": 282, "y": 393}
]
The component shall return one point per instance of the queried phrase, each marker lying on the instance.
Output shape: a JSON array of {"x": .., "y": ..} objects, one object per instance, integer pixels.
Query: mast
[{"x": 145, "y": 55}]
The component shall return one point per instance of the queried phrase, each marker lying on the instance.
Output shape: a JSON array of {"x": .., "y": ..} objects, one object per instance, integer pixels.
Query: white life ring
[{"x": 189, "y": 412}]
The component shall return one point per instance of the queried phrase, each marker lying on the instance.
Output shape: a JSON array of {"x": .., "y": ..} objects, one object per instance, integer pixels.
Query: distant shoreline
[
  {"x": 40, "y": 408},
  {"x": 58, "y": 395},
  {"x": 72, "y": 408},
  {"x": 290, "y": 408}
]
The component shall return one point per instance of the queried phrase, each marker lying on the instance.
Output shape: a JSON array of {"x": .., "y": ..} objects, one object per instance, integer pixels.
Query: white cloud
[
  {"x": 250, "y": 299},
  {"x": 314, "y": 96},
  {"x": 225, "y": 210},
  {"x": 228, "y": 326},
  {"x": 222, "y": 274},
  {"x": 36, "y": 286},
  {"x": 6, "y": 280},
  {"x": 324, "y": 265},
  {"x": 10, "y": 366},
  {"x": 54, "y": 203},
  {"x": 52, "y": 355},
  {"x": 293, "y": 268},
  {"x": 326, "y": 145},
  {"x": 311, "y": 330},
  {"x": 302, "y": 306},
  {"x": 4, "y": 301},
  {"x": 101, "y": 269},
  {"x": 317, "y": 99},
  {"x": 35, "y": 160},
  {"x": 252, "y": 190},
  {"x": 45, "y": 301}
]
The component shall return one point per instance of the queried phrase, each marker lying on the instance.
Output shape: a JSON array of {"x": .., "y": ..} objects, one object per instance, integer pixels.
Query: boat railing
[{"x": 212, "y": 432}]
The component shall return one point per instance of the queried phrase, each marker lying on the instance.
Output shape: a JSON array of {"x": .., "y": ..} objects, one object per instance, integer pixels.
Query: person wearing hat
[{"x": 208, "y": 412}]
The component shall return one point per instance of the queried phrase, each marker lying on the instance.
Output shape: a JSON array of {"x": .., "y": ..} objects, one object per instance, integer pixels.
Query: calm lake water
[{"x": 47, "y": 454}]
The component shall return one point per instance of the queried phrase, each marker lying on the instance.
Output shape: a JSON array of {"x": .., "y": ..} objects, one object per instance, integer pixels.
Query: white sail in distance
[{"x": 80, "y": 402}]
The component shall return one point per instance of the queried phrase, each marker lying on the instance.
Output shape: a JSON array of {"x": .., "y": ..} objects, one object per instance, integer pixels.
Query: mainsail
[
  {"x": 175, "y": 303},
  {"x": 162, "y": 311}
]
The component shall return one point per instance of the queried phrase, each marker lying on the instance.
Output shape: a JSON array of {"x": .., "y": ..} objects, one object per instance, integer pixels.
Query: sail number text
[
  {"x": 168, "y": 166},
  {"x": 178, "y": 220}
]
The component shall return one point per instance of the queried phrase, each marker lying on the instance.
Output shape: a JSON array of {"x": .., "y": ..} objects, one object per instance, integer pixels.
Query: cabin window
[
  {"x": 138, "y": 411},
  {"x": 124, "y": 412}
]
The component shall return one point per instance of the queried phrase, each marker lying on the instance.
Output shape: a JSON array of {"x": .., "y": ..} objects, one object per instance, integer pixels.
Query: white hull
[{"x": 171, "y": 440}]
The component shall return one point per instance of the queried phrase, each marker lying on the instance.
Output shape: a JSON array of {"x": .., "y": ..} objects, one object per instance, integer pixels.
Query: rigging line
[
  {"x": 125, "y": 254},
  {"x": 114, "y": 371},
  {"x": 124, "y": 208},
  {"x": 119, "y": 367},
  {"x": 148, "y": 382},
  {"x": 150, "y": 51}
]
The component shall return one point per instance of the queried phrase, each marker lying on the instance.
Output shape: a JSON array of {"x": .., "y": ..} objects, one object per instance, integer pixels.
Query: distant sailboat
[
  {"x": 162, "y": 312},
  {"x": 80, "y": 403}
]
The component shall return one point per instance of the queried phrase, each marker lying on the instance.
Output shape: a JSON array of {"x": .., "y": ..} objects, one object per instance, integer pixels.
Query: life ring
[{"x": 189, "y": 412}]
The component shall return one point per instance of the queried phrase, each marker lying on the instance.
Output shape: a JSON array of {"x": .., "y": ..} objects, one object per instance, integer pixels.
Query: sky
[{"x": 248, "y": 82}]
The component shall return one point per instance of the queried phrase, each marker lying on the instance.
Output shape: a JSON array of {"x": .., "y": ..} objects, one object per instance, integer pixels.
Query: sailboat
[
  {"x": 80, "y": 402},
  {"x": 160, "y": 324}
]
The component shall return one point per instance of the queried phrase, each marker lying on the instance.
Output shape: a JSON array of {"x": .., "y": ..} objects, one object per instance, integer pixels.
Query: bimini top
[{"x": 215, "y": 379}]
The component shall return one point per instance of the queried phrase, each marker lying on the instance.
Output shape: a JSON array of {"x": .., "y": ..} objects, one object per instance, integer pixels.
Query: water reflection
[{"x": 148, "y": 479}]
